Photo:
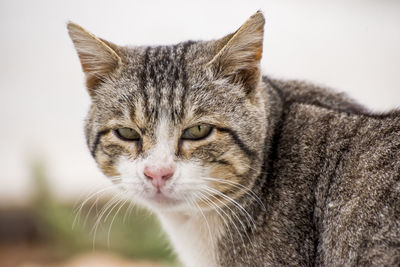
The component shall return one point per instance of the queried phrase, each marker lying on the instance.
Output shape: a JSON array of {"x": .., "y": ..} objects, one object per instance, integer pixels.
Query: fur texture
[{"x": 290, "y": 174}]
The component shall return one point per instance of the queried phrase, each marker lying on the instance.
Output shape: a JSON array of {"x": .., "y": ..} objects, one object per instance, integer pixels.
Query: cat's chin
[
  {"x": 163, "y": 200},
  {"x": 160, "y": 201}
]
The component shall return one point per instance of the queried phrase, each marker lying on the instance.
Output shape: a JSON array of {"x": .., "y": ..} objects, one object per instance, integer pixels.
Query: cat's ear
[
  {"x": 98, "y": 57},
  {"x": 239, "y": 54}
]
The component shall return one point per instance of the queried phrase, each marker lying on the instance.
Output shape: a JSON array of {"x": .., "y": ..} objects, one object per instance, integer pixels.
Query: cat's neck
[{"x": 194, "y": 235}]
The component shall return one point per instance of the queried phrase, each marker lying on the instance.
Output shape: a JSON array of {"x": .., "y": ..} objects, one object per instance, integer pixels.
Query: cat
[{"x": 240, "y": 168}]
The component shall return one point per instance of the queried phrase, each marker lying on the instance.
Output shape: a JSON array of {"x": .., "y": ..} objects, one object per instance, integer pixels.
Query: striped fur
[{"x": 277, "y": 181}]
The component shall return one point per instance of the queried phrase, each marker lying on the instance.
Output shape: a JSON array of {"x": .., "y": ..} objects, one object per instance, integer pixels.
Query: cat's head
[{"x": 180, "y": 126}]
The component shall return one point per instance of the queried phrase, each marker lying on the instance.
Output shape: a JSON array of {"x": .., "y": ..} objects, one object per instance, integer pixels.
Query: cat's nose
[{"x": 158, "y": 175}]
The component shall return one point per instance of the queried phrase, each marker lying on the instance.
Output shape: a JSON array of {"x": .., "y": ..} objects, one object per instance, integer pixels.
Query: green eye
[
  {"x": 127, "y": 134},
  {"x": 197, "y": 132}
]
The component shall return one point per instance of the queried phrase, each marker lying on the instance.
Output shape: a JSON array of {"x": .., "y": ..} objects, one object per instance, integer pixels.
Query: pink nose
[{"x": 158, "y": 175}]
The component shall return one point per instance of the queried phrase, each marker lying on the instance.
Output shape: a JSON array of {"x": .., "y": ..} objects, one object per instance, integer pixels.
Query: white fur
[
  {"x": 193, "y": 232},
  {"x": 194, "y": 236}
]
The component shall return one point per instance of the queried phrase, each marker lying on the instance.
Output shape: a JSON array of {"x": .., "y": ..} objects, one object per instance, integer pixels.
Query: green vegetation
[{"x": 135, "y": 234}]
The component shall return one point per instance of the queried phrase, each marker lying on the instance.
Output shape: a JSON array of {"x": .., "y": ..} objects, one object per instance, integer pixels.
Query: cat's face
[{"x": 177, "y": 127}]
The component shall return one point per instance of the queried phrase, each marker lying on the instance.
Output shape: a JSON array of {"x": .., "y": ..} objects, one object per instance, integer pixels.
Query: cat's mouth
[{"x": 161, "y": 198}]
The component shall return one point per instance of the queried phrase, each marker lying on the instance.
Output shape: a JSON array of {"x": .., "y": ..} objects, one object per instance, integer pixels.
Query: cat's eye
[
  {"x": 197, "y": 132},
  {"x": 127, "y": 134}
]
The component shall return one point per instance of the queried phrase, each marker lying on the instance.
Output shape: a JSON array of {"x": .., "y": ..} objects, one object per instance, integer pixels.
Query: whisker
[
  {"x": 247, "y": 190},
  {"x": 112, "y": 221},
  {"x": 108, "y": 205},
  {"x": 250, "y": 167},
  {"x": 78, "y": 210},
  {"x": 235, "y": 215},
  {"x": 208, "y": 227},
  {"x": 248, "y": 216},
  {"x": 216, "y": 208},
  {"x": 131, "y": 205}
]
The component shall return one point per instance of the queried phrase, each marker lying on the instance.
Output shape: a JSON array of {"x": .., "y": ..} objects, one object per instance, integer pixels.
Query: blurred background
[{"x": 47, "y": 174}]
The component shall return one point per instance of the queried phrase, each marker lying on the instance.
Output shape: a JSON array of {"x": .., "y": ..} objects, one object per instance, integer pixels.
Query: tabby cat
[{"x": 242, "y": 169}]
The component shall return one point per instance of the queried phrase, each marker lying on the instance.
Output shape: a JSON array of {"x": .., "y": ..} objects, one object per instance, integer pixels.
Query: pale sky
[{"x": 352, "y": 46}]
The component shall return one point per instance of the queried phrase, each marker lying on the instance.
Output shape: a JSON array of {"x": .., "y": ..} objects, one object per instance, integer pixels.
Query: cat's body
[
  {"x": 330, "y": 187},
  {"x": 243, "y": 170}
]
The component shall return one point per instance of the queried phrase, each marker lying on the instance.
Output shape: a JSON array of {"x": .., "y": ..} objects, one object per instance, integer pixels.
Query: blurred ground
[
  {"x": 50, "y": 233},
  {"x": 23, "y": 255},
  {"x": 105, "y": 260}
]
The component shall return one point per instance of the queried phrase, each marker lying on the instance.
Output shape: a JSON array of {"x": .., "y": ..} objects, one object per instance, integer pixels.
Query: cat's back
[
  {"x": 351, "y": 160},
  {"x": 361, "y": 209},
  {"x": 306, "y": 92}
]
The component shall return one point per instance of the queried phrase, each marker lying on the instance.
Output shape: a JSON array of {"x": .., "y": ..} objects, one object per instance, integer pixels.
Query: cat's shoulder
[{"x": 309, "y": 94}]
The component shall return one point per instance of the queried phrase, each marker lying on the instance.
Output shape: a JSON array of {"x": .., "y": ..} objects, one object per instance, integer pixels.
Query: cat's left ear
[
  {"x": 99, "y": 58},
  {"x": 239, "y": 54}
]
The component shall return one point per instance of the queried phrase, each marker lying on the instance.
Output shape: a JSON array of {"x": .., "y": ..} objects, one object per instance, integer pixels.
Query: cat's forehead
[
  {"x": 167, "y": 63},
  {"x": 162, "y": 81},
  {"x": 165, "y": 80},
  {"x": 168, "y": 83}
]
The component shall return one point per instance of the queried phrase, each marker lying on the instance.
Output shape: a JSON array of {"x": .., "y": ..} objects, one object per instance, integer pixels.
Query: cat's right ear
[{"x": 99, "y": 58}]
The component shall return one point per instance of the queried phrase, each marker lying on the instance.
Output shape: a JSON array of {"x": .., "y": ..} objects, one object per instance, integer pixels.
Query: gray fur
[
  {"x": 332, "y": 187},
  {"x": 326, "y": 170}
]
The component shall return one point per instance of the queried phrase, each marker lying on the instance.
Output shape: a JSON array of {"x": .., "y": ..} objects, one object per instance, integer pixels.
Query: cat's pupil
[{"x": 197, "y": 132}]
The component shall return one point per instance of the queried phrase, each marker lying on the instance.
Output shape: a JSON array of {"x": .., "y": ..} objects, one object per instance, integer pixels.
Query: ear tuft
[
  {"x": 98, "y": 57},
  {"x": 241, "y": 52}
]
